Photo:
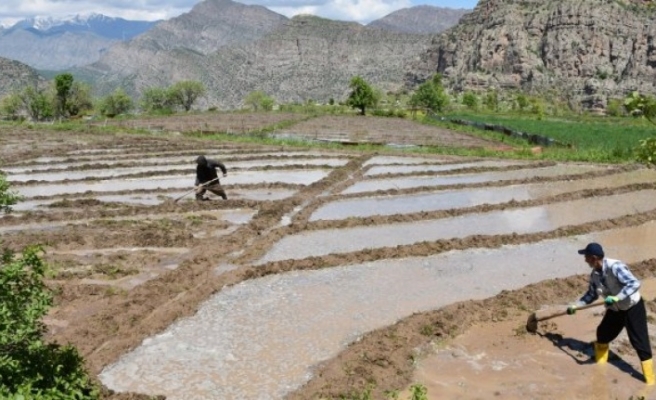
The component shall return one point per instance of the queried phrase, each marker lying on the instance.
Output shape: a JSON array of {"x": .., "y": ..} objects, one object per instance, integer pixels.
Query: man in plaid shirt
[{"x": 625, "y": 308}]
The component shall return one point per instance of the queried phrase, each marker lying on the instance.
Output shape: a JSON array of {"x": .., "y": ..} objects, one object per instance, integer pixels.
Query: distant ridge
[
  {"x": 423, "y": 19},
  {"x": 60, "y": 43}
]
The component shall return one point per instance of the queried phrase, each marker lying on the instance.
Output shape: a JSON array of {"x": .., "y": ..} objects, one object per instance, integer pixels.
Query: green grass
[{"x": 584, "y": 132}]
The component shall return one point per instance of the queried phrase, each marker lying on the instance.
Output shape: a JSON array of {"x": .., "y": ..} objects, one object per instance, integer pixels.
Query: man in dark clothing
[{"x": 206, "y": 175}]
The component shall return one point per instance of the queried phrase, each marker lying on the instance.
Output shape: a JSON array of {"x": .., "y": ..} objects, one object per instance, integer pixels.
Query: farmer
[
  {"x": 206, "y": 174},
  {"x": 625, "y": 308}
]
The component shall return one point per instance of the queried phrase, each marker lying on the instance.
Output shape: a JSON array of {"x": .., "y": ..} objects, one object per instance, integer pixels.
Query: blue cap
[{"x": 593, "y": 249}]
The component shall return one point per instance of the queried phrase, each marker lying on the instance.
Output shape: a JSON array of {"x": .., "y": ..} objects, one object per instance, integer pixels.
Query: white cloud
[{"x": 362, "y": 11}]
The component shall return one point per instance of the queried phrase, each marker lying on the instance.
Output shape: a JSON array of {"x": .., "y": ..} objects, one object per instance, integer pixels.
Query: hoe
[{"x": 532, "y": 323}]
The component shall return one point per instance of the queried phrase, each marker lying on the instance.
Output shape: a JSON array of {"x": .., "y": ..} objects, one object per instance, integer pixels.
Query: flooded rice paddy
[{"x": 250, "y": 297}]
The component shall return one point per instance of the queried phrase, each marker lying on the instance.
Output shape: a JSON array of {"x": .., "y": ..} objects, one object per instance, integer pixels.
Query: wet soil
[{"x": 176, "y": 256}]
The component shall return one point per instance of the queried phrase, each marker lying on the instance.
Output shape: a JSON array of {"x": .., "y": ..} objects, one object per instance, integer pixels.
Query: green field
[{"x": 592, "y": 138}]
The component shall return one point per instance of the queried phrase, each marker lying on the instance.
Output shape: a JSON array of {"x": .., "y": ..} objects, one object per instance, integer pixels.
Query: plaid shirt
[{"x": 614, "y": 279}]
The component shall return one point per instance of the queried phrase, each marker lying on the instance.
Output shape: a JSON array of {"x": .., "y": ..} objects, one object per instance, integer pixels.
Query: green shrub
[
  {"x": 29, "y": 367},
  {"x": 646, "y": 151},
  {"x": 7, "y": 198}
]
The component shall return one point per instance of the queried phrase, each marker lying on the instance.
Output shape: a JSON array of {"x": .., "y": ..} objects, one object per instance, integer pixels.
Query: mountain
[
  {"x": 15, "y": 76},
  {"x": 420, "y": 19},
  {"x": 305, "y": 58},
  {"x": 208, "y": 26},
  {"x": 582, "y": 51},
  {"x": 58, "y": 44}
]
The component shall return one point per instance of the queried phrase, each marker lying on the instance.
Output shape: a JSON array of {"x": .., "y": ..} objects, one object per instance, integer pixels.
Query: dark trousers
[
  {"x": 214, "y": 188},
  {"x": 635, "y": 321}
]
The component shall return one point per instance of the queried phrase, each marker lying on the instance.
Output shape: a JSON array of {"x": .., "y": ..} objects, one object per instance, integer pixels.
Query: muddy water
[
  {"x": 405, "y": 183},
  {"x": 93, "y": 173},
  {"x": 159, "y": 198},
  {"x": 154, "y": 156},
  {"x": 405, "y": 169},
  {"x": 300, "y": 177},
  {"x": 444, "y": 200},
  {"x": 115, "y": 172},
  {"x": 492, "y": 362},
  {"x": 521, "y": 221},
  {"x": 260, "y": 339}
]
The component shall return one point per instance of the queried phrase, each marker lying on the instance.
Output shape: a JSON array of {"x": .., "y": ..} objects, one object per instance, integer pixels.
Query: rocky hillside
[
  {"x": 420, "y": 19},
  {"x": 585, "y": 50},
  {"x": 306, "y": 58},
  {"x": 210, "y": 25},
  {"x": 59, "y": 44},
  {"x": 15, "y": 76}
]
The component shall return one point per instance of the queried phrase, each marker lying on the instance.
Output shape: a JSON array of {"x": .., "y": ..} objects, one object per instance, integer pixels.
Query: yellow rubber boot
[
  {"x": 601, "y": 352},
  {"x": 648, "y": 371}
]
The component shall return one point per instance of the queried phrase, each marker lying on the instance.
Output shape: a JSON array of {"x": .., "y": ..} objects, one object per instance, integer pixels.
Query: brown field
[{"x": 124, "y": 271}]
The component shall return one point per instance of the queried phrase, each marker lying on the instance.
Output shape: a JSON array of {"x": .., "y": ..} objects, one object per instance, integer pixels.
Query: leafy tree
[
  {"x": 185, "y": 93},
  {"x": 470, "y": 100},
  {"x": 7, "y": 198},
  {"x": 361, "y": 96},
  {"x": 259, "y": 100},
  {"x": 11, "y": 105},
  {"x": 31, "y": 368},
  {"x": 63, "y": 86},
  {"x": 156, "y": 100},
  {"x": 79, "y": 99},
  {"x": 115, "y": 104},
  {"x": 37, "y": 103},
  {"x": 430, "y": 95}
]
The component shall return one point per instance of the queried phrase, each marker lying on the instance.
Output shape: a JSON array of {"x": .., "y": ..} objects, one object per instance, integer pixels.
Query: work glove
[
  {"x": 610, "y": 300},
  {"x": 571, "y": 310}
]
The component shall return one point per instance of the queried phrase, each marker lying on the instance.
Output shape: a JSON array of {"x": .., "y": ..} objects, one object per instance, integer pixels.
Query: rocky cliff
[{"x": 585, "y": 50}]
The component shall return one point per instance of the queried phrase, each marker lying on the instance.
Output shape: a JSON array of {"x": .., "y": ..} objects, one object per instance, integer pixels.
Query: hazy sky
[{"x": 362, "y": 11}]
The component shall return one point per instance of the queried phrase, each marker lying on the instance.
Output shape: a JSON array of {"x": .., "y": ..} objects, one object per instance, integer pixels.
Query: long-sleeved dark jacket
[{"x": 207, "y": 172}]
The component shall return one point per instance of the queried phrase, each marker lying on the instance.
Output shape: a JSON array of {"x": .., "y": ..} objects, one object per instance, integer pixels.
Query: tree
[
  {"x": 156, "y": 100},
  {"x": 430, "y": 95},
  {"x": 259, "y": 100},
  {"x": 37, "y": 103},
  {"x": 11, "y": 105},
  {"x": 63, "y": 85},
  {"x": 115, "y": 104},
  {"x": 7, "y": 198},
  {"x": 79, "y": 99},
  {"x": 361, "y": 96},
  {"x": 185, "y": 93}
]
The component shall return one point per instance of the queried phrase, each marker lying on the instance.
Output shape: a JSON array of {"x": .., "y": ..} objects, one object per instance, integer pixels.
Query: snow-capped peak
[{"x": 43, "y": 23}]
